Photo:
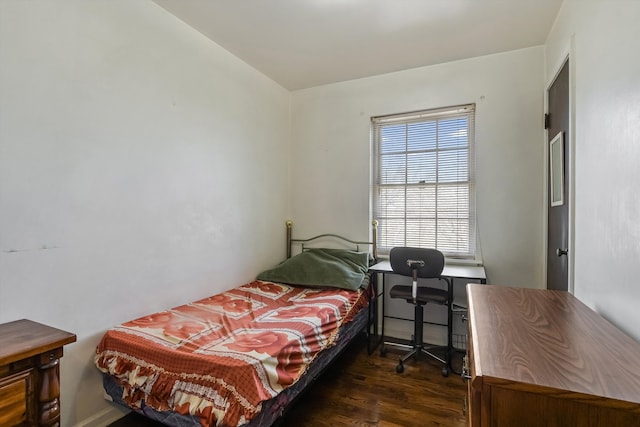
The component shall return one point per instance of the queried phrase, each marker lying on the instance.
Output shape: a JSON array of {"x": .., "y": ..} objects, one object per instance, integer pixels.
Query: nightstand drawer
[{"x": 15, "y": 395}]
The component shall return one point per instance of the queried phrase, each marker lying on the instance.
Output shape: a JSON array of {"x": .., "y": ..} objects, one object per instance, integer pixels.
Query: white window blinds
[{"x": 423, "y": 180}]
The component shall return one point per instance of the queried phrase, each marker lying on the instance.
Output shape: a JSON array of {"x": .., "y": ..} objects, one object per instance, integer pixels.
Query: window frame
[{"x": 437, "y": 115}]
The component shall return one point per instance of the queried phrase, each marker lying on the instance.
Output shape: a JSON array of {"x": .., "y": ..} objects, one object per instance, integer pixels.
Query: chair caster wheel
[
  {"x": 383, "y": 352},
  {"x": 400, "y": 368},
  {"x": 445, "y": 372}
]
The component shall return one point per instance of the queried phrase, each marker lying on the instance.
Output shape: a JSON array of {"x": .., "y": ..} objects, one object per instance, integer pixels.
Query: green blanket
[{"x": 338, "y": 268}]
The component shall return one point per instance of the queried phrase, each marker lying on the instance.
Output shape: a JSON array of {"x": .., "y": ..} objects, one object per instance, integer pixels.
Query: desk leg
[
  {"x": 378, "y": 308},
  {"x": 449, "y": 325},
  {"x": 372, "y": 315},
  {"x": 382, "y": 295},
  {"x": 374, "y": 279},
  {"x": 383, "y": 314}
]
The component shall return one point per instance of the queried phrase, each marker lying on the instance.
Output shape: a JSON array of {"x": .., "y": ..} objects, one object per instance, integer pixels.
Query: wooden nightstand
[{"x": 30, "y": 373}]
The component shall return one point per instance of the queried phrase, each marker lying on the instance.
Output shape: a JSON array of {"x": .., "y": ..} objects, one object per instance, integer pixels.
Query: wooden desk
[
  {"x": 543, "y": 358},
  {"x": 30, "y": 374}
]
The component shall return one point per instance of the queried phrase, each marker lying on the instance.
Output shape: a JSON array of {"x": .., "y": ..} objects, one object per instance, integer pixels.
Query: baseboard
[{"x": 102, "y": 418}]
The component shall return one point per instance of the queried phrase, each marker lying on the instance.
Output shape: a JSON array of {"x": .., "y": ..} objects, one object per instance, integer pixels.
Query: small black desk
[
  {"x": 471, "y": 272},
  {"x": 468, "y": 272}
]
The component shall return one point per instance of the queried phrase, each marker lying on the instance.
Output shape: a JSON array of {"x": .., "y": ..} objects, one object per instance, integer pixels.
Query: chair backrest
[{"x": 433, "y": 261}]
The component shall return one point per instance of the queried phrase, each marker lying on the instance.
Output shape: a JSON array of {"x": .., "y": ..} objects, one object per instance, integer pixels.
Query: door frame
[{"x": 567, "y": 55}]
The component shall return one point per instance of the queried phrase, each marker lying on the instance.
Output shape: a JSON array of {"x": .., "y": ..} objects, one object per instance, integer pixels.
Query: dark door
[{"x": 558, "y": 213}]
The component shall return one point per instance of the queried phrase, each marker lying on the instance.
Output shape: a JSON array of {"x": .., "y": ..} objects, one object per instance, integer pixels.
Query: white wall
[
  {"x": 139, "y": 160},
  {"x": 331, "y": 153},
  {"x": 141, "y": 167},
  {"x": 602, "y": 38}
]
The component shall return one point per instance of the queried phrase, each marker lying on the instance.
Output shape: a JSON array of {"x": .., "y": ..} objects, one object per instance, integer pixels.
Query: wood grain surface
[
  {"x": 25, "y": 338},
  {"x": 551, "y": 339},
  {"x": 542, "y": 357}
]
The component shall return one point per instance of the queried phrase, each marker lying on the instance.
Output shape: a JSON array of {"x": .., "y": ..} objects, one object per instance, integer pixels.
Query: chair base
[
  {"x": 418, "y": 347},
  {"x": 416, "y": 351}
]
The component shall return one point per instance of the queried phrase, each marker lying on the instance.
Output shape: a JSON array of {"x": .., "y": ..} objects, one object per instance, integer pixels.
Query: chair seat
[{"x": 424, "y": 294}]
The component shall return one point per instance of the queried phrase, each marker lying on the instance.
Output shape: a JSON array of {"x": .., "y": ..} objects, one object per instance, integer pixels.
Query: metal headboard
[{"x": 302, "y": 242}]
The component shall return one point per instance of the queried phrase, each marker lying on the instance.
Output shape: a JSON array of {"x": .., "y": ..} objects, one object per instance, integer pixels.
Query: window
[{"x": 423, "y": 180}]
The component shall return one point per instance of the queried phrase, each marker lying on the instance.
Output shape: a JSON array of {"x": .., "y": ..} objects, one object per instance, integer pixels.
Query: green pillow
[{"x": 337, "y": 268}]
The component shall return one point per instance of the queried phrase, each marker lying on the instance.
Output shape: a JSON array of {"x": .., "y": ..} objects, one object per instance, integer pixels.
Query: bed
[{"x": 242, "y": 357}]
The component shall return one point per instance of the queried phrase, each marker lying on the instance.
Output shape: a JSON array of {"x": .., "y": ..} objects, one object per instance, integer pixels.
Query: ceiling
[{"x": 305, "y": 43}]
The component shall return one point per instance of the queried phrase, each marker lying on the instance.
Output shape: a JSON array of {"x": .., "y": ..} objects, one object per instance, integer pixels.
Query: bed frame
[
  {"x": 335, "y": 238},
  {"x": 372, "y": 333},
  {"x": 274, "y": 409},
  {"x": 360, "y": 324}
]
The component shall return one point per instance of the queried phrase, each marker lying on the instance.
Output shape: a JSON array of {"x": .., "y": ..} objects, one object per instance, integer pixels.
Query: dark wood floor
[{"x": 365, "y": 390}]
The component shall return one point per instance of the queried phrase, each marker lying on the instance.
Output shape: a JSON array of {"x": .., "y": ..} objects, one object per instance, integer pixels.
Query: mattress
[
  {"x": 272, "y": 409},
  {"x": 231, "y": 359}
]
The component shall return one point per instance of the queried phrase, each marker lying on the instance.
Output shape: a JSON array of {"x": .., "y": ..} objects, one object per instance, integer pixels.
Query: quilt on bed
[{"x": 220, "y": 357}]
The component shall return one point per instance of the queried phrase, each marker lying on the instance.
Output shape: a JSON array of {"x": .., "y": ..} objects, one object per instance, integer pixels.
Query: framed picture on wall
[{"x": 556, "y": 169}]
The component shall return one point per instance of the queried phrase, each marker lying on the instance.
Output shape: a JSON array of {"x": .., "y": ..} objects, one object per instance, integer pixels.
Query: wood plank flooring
[{"x": 365, "y": 390}]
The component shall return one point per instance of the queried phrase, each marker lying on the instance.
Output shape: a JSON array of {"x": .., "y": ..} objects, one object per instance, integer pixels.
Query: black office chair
[{"x": 428, "y": 264}]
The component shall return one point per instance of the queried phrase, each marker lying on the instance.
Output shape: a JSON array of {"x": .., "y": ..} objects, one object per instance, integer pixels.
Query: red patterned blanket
[{"x": 220, "y": 357}]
